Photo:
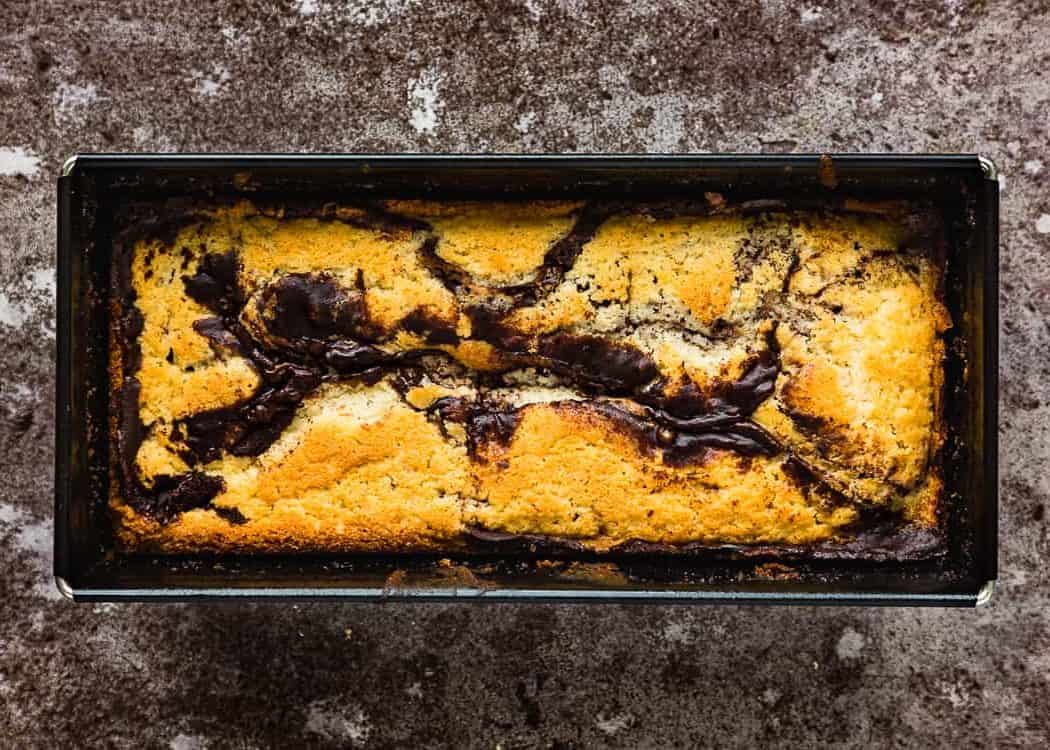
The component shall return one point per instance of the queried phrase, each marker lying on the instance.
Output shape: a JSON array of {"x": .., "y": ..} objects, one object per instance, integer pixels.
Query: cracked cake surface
[{"x": 447, "y": 376}]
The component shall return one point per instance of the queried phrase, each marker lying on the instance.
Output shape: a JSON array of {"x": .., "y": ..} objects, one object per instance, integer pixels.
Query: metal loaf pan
[{"x": 92, "y": 187}]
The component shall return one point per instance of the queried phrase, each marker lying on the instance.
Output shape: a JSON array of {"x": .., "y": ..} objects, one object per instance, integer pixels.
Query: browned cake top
[{"x": 420, "y": 375}]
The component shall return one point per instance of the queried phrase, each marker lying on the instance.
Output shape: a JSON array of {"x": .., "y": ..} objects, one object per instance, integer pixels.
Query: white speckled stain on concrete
[
  {"x": 811, "y": 15},
  {"x": 614, "y": 724},
  {"x": 425, "y": 101},
  {"x": 210, "y": 82},
  {"x": 13, "y": 395},
  {"x": 678, "y": 632},
  {"x": 35, "y": 539},
  {"x": 535, "y": 10},
  {"x": 334, "y": 721},
  {"x": 187, "y": 742},
  {"x": 71, "y": 99},
  {"x": 955, "y": 693},
  {"x": 36, "y": 291},
  {"x": 18, "y": 161},
  {"x": 850, "y": 644},
  {"x": 1042, "y": 224},
  {"x": 42, "y": 281},
  {"x": 664, "y": 126},
  {"x": 12, "y": 314},
  {"x": 524, "y": 122},
  {"x": 372, "y": 13}
]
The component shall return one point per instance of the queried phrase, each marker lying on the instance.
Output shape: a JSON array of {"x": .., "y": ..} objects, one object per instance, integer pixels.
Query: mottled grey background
[{"x": 312, "y": 75}]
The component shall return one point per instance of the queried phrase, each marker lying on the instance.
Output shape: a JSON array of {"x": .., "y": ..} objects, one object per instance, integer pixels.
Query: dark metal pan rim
[
  {"x": 75, "y": 578},
  {"x": 883, "y": 160},
  {"x": 494, "y": 595}
]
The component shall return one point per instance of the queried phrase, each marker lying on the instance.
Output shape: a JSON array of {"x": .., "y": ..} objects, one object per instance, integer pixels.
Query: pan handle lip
[
  {"x": 986, "y": 593},
  {"x": 69, "y": 165},
  {"x": 64, "y": 588},
  {"x": 991, "y": 172}
]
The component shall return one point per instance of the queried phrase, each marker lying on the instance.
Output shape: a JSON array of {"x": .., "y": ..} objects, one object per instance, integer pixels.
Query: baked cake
[{"x": 428, "y": 376}]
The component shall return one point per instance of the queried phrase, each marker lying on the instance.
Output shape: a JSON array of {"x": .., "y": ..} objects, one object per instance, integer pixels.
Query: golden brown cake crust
[{"x": 434, "y": 376}]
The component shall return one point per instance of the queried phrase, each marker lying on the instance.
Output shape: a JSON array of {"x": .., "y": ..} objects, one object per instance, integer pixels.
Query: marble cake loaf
[{"x": 427, "y": 376}]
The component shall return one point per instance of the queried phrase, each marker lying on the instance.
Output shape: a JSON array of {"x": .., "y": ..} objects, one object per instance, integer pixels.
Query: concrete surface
[{"x": 958, "y": 75}]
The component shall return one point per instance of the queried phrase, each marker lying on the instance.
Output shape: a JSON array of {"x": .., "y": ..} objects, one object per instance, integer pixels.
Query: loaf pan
[{"x": 88, "y": 567}]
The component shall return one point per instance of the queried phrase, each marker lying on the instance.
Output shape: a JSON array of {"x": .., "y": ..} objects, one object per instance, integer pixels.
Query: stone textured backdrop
[{"x": 312, "y": 75}]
